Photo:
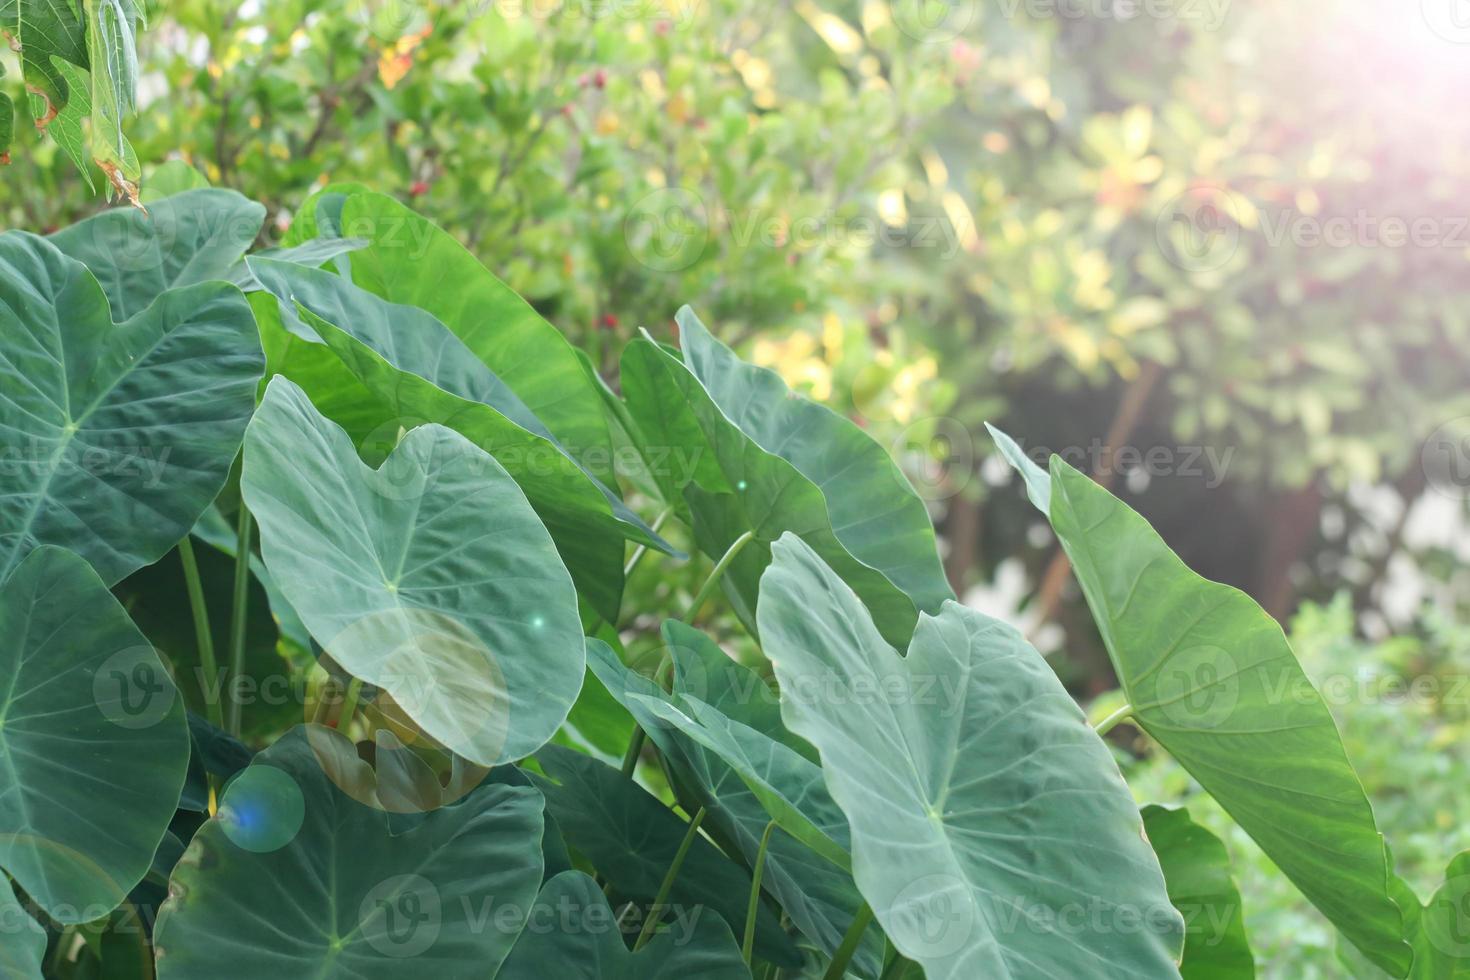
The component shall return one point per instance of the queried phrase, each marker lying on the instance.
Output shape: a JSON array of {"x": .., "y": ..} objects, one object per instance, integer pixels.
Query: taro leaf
[
  {"x": 761, "y": 459},
  {"x": 25, "y": 939},
  {"x": 1197, "y": 872},
  {"x": 125, "y": 432},
  {"x": 412, "y": 261},
  {"x": 93, "y": 744},
  {"x": 1213, "y": 679},
  {"x": 631, "y": 838},
  {"x": 572, "y": 933},
  {"x": 192, "y": 237},
  {"x": 819, "y": 897},
  {"x": 788, "y": 786},
  {"x": 294, "y": 878},
  {"x": 992, "y": 833},
  {"x": 313, "y": 254},
  {"x": 212, "y": 752},
  {"x": 430, "y": 577},
  {"x": 169, "y": 178},
  {"x": 1440, "y": 930},
  {"x": 423, "y": 373}
]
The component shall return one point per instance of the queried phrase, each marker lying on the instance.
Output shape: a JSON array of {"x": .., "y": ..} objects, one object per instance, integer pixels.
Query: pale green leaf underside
[
  {"x": 569, "y": 937},
  {"x": 342, "y": 898},
  {"x": 1211, "y": 676},
  {"x": 124, "y": 432},
  {"x": 430, "y": 577},
  {"x": 93, "y": 742},
  {"x": 987, "y": 818},
  {"x": 25, "y": 939}
]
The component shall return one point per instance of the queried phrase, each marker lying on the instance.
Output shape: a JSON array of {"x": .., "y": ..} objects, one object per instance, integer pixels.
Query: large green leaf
[
  {"x": 992, "y": 834},
  {"x": 124, "y": 433},
  {"x": 293, "y": 878},
  {"x": 817, "y": 894},
  {"x": 25, "y": 939},
  {"x": 189, "y": 238},
  {"x": 422, "y": 372},
  {"x": 749, "y": 455},
  {"x": 430, "y": 577},
  {"x": 93, "y": 742},
  {"x": 1213, "y": 679},
  {"x": 572, "y": 933},
  {"x": 1197, "y": 871},
  {"x": 631, "y": 838},
  {"x": 410, "y": 260},
  {"x": 47, "y": 29}
]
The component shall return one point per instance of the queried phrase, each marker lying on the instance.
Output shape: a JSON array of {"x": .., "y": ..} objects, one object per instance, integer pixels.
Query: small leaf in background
[
  {"x": 356, "y": 900},
  {"x": 430, "y": 577},
  {"x": 1197, "y": 872},
  {"x": 1213, "y": 679},
  {"x": 125, "y": 431},
  {"x": 91, "y": 715},
  {"x": 992, "y": 834},
  {"x": 572, "y": 932}
]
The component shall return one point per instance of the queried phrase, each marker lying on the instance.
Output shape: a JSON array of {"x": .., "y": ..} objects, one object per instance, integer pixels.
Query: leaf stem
[
  {"x": 1108, "y": 723},
  {"x": 849, "y": 946},
  {"x": 349, "y": 705},
  {"x": 202, "y": 635},
  {"x": 716, "y": 573},
  {"x": 655, "y": 912},
  {"x": 238, "y": 609},
  {"x": 755, "y": 893},
  {"x": 642, "y": 549}
]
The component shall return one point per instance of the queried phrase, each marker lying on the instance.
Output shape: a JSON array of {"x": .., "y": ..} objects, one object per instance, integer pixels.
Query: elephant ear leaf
[
  {"x": 1010, "y": 817},
  {"x": 93, "y": 743},
  {"x": 430, "y": 577},
  {"x": 126, "y": 431},
  {"x": 1197, "y": 871},
  {"x": 753, "y": 456},
  {"x": 181, "y": 240},
  {"x": 1211, "y": 677},
  {"x": 571, "y": 933},
  {"x": 291, "y": 854},
  {"x": 1440, "y": 930}
]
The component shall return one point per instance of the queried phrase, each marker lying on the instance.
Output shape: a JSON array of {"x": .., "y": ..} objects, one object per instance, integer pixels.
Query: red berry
[
  {"x": 609, "y": 322},
  {"x": 419, "y": 188},
  {"x": 600, "y": 78}
]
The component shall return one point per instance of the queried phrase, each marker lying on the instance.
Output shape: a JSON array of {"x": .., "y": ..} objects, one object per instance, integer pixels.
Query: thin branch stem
[
  {"x": 238, "y": 608},
  {"x": 656, "y": 911},
  {"x": 202, "y": 635},
  {"x": 717, "y": 573},
  {"x": 838, "y": 967},
  {"x": 1111, "y": 721},
  {"x": 753, "y": 906},
  {"x": 642, "y": 549}
]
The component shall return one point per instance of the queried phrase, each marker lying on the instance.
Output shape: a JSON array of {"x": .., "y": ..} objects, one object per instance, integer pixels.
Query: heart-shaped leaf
[
  {"x": 182, "y": 240},
  {"x": 815, "y": 892},
  {"x": 992, "y": 833},
  {"x": 422, "y": 372},
  {"x": 1197, "y": 872},
  {"x": 631, "y": 838},
  {"x": 93, "y": 743},
  {"x": 124, "y": 433},
  {"x": 430, "y": 577},
  {"x": 572, "y": 932},
  {"x": 758, "y": 458},
  {"x": 293, "y": 878},
  {"x": 1212, "y": 678},
  {"x": 1439, "y": 930},
  {"x": 410, "y": 260}
]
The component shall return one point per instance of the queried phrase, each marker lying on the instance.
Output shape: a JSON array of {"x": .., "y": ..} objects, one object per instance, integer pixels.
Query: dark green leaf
[{"x": 1197, "y": 871}]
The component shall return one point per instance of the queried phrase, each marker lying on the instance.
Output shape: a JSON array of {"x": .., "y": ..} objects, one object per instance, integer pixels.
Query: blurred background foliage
[{"x": 1218, "y": 251}]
